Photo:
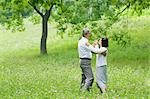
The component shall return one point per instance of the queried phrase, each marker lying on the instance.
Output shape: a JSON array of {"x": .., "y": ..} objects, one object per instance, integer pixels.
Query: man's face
[{"x": 88, "y": 35}]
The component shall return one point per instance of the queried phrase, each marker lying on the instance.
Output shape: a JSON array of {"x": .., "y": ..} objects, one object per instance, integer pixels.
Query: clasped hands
[{"x": 96, "y": 43}]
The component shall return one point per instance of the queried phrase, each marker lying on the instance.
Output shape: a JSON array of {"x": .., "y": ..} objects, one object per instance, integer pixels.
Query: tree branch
[
  {"x": 48, "y": 12},
  {"x": 123, "y": 10},
  {"x": 128, "y": 6},
  {"x": 35, "y": 8}
]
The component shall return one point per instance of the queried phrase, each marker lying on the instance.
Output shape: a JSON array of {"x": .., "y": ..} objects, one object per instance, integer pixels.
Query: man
[{"x": 85, "y": 55}]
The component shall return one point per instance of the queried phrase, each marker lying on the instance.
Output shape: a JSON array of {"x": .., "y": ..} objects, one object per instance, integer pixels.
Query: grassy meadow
[{"x": 25, "y": 74}]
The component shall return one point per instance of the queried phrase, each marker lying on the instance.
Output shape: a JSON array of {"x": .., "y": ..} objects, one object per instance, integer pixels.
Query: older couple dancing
[{"x": 85, "y": 50}]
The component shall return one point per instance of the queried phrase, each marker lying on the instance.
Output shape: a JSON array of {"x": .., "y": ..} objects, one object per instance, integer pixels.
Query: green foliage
[
  {"x": 13, "y": 12},
  {"x": 122, "y": 38},
  {"x": 15, "y": 25},
  {"x": 99, "y": 16},
  {"x": 35, "y": 19}
]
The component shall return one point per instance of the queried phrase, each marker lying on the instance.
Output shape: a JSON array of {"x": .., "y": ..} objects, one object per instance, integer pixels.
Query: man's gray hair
[{"x": 85, "y": 31}]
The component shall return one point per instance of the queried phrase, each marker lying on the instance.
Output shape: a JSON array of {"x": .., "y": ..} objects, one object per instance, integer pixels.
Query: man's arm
[
  {"x": 95, "y": 50},
  {"x": 103, "y": 53}
]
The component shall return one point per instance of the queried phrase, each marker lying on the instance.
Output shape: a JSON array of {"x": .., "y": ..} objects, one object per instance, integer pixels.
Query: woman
[
  {"x": 101, "y": 68},
  {"x": 101, "y": 64}
]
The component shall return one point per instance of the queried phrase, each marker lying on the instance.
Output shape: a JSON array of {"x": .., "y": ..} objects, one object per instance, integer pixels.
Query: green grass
[{"x": 24, "y": 73}]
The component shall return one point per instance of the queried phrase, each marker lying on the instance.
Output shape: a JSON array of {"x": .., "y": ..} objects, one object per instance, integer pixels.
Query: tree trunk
[
  {"x": 43, "y": 48},
  {"x": 45, "y": 17}
]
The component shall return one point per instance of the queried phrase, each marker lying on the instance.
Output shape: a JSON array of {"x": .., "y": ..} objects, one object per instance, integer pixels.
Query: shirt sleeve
[{"x": 96, "y": 49}]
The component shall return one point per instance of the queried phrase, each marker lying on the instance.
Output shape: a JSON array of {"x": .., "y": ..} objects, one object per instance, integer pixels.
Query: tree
[
  {"x": 45, "y": 14},
  {"x": 16, "y": 8},
  {"x": 46, "y": 7}
]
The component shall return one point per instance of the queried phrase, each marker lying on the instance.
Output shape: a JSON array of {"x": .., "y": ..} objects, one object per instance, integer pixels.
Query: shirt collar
[{"x": 84, "y": 38}]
